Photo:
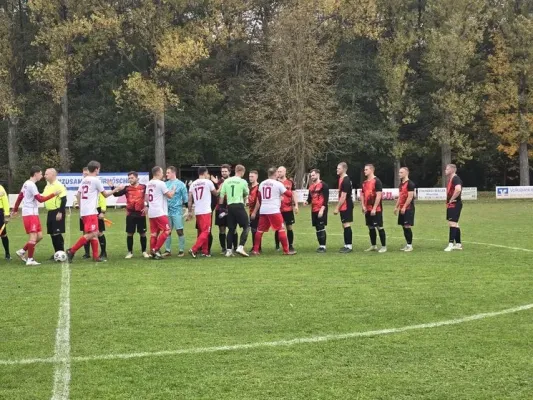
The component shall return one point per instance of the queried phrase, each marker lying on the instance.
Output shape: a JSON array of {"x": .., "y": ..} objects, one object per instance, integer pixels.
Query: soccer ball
[{"x": 60, "y": 256}]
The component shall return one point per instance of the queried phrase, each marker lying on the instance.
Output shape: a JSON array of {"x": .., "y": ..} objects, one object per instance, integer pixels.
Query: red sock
[
  {"x": 257, "y": 241},
  {"x": 31, "y": 248},
  {"x": 94, "y": 247},
  {"x": 202, "y": 242},
  {"x": 25, "y": 248},
  {"x": 153, "y": 242},
  {"x": 161, "y": 240},
  {"x": 284, "y": 241},
  {"x": 79, "y": 244}
]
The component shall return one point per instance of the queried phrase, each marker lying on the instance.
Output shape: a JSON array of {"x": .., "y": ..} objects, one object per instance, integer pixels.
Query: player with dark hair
[
  {"x": 454, "y": 205},
  {"x": 345, "y": 206},
  {"x": 55, "y": 222},
  {"x": 221, "y": 210},
  {"x": 252, "y": 201},
  {"x": 318, "y": 197},
  {"x": 200, "y": 193},
  {"x": 405, "y": 207},
  {"x": 289, "y": 207},
  {"x": 30, "y": 198},
  {"x": 372, "y": 207},
  {"x": 4, "y": 219},
  {"x": 136, "y": 211}
]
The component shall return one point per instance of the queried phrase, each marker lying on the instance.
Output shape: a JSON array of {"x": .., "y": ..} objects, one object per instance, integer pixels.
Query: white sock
[{"x": 348, "y": 246}]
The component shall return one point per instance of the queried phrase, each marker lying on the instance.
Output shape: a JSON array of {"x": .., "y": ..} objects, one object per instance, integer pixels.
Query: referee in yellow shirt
[
  {"x": 55, "y": 222},
  {"x": 4, "y": 219}
]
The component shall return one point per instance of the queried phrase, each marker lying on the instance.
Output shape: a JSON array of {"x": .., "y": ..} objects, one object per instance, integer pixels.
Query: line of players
[{"x": 272, "y": 204}]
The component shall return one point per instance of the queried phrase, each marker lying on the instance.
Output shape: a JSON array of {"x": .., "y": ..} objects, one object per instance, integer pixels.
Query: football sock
[
  {"x": 5, "y": 243},
  {"x": 31, "y": 248},
  {"x": 373, "y": 236},
  {"x": 453, "y": 232},
  {"x": 94, "y": 247},
  {"x": 382, "y": 237},
  {"x": 408, "y": 233},
  {"x": 60, "y": 243},
  {"x": 129, "y": 243},
  {"x": 79, "y": 244},
  {"x": 321, "y": 237},
  {"x": 144, "y": 242},
  {"x": 87, "y": 247},
  {"x": 161, "y": 239},
  {"x": 276, "y": 239},
  {"x": 153, "y": 242},
  {"x": 458, "y": 235},
  {"x": 103, "y": 244},
  {"x": 290, "y": 236},
  {"x": 210, "y": 242},
  {"x": 284, "y": 241},
  {"x": 258, "y": 238},
  {"x": 348, "y": 237}
]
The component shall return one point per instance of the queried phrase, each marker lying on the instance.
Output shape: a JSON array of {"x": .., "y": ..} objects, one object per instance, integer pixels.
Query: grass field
[{"x": 120, "y": 314}]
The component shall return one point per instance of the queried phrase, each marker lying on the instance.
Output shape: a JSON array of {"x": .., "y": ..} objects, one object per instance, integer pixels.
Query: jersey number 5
[{"x": 267, "y": 192}]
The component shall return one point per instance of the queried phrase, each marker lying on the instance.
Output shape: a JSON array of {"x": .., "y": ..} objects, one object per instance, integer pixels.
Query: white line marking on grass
[
  {"x": 277, "y": 343},
  {"x": 62, "y": 358}
]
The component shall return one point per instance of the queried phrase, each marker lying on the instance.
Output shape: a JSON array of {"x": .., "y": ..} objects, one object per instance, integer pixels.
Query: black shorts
[
  {"x": 221, "y": 221},
  {"x": 346, "y": 215},
  {"x": 375, "y": 221},
  {"x": 288, "y": 217},
  {"x": 135, "y": 223},
  {"x": 237, "y": 215},
  {"x": 453, "y": 214},
  {"x": 407, "y": 219},
  {"x": 319, "y": 222},
  {"x": 54, "y": 227},
  {"x": 2, "y": 221}
]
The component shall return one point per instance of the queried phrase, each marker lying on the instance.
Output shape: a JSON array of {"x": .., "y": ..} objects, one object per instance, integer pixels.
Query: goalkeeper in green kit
[{"x": 235, "y": 189}]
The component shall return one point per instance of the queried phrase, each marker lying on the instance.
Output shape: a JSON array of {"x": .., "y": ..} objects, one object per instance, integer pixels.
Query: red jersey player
[
  {"x": 289, "y": 206},
  {"x": 405, "y": 207},
  {"x": 271, "y": 192},
  {"x": 30, "y": 198},
  {"x": 252, "y": 201},
  {"x": 372, "y": 207},
  {"x": 318, "y": 197},
  {"x": 200, "y": 193},
  {"x": 345, "y": 206}
]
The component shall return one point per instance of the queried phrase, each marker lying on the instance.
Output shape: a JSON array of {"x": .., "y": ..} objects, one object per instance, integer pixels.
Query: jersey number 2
[{"x": 84, "y": 191}]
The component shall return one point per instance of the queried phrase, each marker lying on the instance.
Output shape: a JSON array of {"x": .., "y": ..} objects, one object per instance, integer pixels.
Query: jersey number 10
[{"x": 267, "y": 192}]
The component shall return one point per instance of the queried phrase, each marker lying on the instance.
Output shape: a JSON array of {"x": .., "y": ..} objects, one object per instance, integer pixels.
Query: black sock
[
  {"x": 373, "y": 236},
  {"x": 144, "y": 242},
  {"x": 235, "y": 240},
  {"x": 60, "y": 243},
  {"x": 103, "y": 244},
  {"x": 408, "y": 233},
  {"x": 458, "y": 235},
  {"x": 321, "y": 237},
  {"x": 382, "y": 237},
  {"x": 54, "y": 242},
  {"x": 290, "y": 237},
  {"x": 276, "y": 239},
  {"x": 348, "y": 236},
  {"x": 210, "y": 243},
  {"x": 87, "y": 248},
  {"x": 5, "y": 243},
  {"x": 453, "y": 231},
  {"x": 222, "y": 240},
  {"x": 129, "y": 243}
]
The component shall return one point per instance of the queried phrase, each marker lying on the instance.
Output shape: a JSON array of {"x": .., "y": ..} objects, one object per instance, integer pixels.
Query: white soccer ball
[{"x": 60, "y": 256}]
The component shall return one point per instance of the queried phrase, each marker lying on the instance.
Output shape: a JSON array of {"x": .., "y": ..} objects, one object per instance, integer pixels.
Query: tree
[
  {"x": 454, "y": 30},
  {"x": 290, "y": 106},
  {"x": 509, "y": 88}
]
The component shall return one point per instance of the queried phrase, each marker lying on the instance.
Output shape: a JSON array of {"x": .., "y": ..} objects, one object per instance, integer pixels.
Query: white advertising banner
[
  {"x": 439, "y": 194},
  {"x": 514, "y": 192}
]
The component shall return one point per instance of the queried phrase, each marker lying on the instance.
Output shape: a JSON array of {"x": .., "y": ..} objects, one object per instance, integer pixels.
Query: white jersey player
[
  {"x": 156, "y": 191},
  {"x": 89, "y": 192},
  {"x": 271, "y": 192}
]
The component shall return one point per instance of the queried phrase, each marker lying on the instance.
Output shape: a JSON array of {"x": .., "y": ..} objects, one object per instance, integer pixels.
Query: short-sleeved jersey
[
  {"x": 156, "y": 191},
  {"x": 404, "y": 189},
  {"x": 4, "y": 201},
  {"x": 175, "y": 204},
  {"x": 253, "y": 197},
  {"x": 370, "y": 189},
  {"x": 201, "y": 194},
  {"x": 90, "y": 189},
  {"x": 30, "y": 205},
  {"x": 234, "y": 190},
  {"x": 450, "y": 189},
  {"x": 270, "y": 193},
  {"x": 287, "y": 202},
  {"x": 54, "y": 203},
  {"x": 135, "y": 197},
  {"x": 318, "y": 196},
  {"x": 345, "y": 186}
]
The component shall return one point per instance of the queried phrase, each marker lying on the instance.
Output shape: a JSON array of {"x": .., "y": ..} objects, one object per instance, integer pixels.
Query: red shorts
[
  {"x": 159, "y": 224},
  {"x": 267, "y": 221},
  {"x": 32, "y": 223},
  {"x": 90, "y": 223},
  {"x": 203, "y": 222}
]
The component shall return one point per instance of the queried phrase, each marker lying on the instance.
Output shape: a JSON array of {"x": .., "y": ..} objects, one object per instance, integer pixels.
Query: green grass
[{"x": 138, "y": 305}]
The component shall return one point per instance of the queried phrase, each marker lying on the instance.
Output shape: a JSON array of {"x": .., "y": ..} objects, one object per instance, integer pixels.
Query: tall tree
[
  {"x": 290, "y": 104},
  {"x": 509, "y": 89},
  {"x": 454, "y": 29}
]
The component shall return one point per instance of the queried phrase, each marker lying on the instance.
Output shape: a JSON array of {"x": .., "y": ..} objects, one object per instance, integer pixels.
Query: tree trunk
[
  {"x": 12, "y": 149},
  {"x": 397, "y": 166},
  {"x": 159, "y": 126},
  {"x": 299, "y": 173},
  {"x": 63, "y": 133},
  {"x": 446, "y": 158},
  {"x": 524, "y": 164}
]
